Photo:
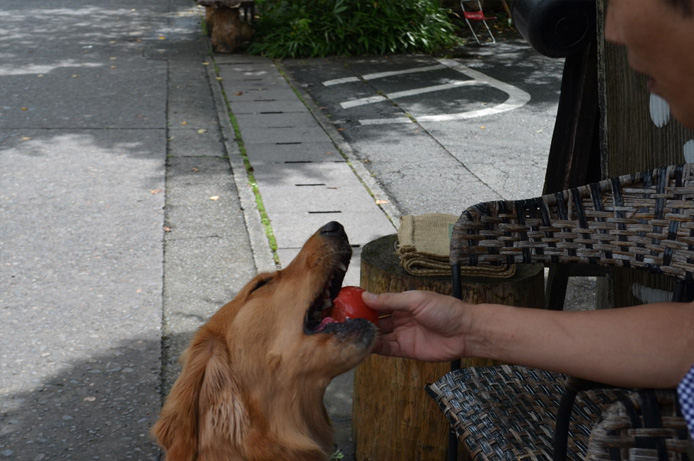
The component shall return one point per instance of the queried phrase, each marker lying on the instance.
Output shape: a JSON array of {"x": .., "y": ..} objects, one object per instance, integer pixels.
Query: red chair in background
[{"x": 474, "y": 12}]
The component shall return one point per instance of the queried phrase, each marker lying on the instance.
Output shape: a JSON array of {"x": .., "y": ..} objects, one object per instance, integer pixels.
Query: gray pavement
[
  {"x": 127, "y": 217},
  {"x": 112, "y": 251}
]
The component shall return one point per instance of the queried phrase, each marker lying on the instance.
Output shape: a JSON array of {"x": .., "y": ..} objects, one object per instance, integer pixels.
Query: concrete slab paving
[
  {"x": 299, "y": 152},
  {"x": 281, "y": 120},
  {"x": 292, "y": 228},
  {"x": 262, "y": 94},
  {"x": 316, "y": 199},
  {"x": 269, "y": 107},
  {"x": 279, "y": 135},
  {"x": 196, "y": 142}
]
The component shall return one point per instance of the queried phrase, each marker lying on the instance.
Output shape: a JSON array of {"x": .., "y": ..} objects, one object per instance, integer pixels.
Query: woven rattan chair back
[{"x": 643, "y": 221}]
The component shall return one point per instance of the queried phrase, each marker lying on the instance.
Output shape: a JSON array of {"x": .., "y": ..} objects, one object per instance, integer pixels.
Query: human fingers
[
  {"x": 386, "y": 344},
  {"x": 388, "y": 302}
]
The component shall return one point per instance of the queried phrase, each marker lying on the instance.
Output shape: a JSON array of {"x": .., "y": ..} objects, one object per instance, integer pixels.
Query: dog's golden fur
[{"x": 254, "y": 375}]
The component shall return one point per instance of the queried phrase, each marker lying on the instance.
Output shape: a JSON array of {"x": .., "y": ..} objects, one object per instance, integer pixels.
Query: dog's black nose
[{"x": 333, "y": 227}]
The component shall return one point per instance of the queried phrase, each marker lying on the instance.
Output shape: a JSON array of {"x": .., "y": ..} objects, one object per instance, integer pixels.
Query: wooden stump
[
  {"x": 228, "y": 33},
  {"x": 392, "y": 416}
]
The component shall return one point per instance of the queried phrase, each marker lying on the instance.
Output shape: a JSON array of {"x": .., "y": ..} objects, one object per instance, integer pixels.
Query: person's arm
[{"x": 642, "y": 346}]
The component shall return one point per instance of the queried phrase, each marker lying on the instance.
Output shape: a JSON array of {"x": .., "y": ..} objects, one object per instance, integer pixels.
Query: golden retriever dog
[{"x": 254, "y": 376}]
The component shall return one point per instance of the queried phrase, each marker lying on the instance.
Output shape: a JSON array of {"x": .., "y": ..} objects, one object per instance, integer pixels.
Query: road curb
[{"x": 262, "y": 254}]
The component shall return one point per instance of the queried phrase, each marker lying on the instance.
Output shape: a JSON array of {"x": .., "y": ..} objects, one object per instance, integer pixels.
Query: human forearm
[{"x": 644, "y": 346}]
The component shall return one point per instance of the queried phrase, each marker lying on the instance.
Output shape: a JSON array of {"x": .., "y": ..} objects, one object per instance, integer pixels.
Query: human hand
[{"x": 423, "y": 325}]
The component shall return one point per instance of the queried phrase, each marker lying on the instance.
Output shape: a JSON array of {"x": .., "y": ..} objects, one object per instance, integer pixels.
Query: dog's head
[
  {"x": 254, "y": 376},
  {"x": 280, "y": 313}
]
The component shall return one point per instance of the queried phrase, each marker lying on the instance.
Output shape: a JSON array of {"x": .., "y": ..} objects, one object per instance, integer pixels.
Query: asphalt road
[{"x": 442, "y": 134}]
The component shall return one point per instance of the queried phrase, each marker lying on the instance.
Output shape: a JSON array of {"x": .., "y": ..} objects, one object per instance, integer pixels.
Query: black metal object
[
  {"x": 555, "y": 28},
  {"x": 457, "y": 292}
]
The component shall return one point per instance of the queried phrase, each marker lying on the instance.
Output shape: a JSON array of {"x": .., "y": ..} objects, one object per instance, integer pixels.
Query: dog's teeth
[
  {"x": 342, "y": 267},
  {"x": 327, "y": 303}
]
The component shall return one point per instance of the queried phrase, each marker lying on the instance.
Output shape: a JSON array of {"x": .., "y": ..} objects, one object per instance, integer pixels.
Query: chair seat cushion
[{"x": 509, "y": 412}]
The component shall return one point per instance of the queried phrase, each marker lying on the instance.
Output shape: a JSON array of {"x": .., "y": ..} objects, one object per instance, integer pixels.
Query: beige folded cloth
[{"x": 424, "y": 247}]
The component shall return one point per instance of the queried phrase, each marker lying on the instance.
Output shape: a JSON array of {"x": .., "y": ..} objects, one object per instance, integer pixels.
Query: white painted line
[
  {"x": 516, "y": 98},
  {"x": 376, "y": 75},
  {"x": 339, "y": 81},
  {"x": 385, "y": 121},
  {"x": 402, "y": 94},
  {"x": 362, "y": 101}
]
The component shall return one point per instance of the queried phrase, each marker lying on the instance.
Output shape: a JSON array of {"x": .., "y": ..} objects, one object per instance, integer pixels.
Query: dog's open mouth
[{"x": 318, "y": 319}]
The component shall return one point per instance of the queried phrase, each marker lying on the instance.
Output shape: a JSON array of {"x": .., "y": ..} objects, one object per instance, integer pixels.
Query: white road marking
[
  {"x": 516, "y": 97},
  {"x": 402, "y": 94},
  {"x": 376, "y": 75}
]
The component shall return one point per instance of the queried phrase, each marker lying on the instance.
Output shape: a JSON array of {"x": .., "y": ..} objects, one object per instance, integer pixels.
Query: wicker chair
[{"x": 642, "y": 221}]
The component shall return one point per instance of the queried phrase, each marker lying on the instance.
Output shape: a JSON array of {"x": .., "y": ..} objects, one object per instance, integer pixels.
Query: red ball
[{"x": 349, "y": 305}]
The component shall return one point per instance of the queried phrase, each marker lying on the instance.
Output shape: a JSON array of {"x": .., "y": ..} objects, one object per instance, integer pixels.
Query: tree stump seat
[
  {"x": 228, "y": 23},
  {"x": 393, "y": 418}
]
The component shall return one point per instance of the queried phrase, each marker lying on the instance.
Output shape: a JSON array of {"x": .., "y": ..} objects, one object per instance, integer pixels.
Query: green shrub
[{"x": 309, "y": 28}]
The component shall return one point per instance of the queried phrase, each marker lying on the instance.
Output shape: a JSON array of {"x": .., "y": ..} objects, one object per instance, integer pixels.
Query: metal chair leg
[{"x": 457, "y": 292}]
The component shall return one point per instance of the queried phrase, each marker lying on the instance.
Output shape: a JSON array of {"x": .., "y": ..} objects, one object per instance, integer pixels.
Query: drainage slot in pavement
[
  {"x": 310, "y": 185},
  {"x": 287, "y": 143},
  {"x": 299, "y": 161},
  {"x": 324, "y": 212}
]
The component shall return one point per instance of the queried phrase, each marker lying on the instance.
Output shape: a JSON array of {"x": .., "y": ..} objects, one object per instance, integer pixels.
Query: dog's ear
[{"x": 203, "y": 401}]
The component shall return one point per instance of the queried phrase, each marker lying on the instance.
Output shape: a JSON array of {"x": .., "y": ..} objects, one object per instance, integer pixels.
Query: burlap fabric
[{"x": 424, "y": 246}]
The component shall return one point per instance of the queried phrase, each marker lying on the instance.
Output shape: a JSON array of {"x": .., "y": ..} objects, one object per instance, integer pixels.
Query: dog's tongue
[{"x": 326, "y": 321}]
